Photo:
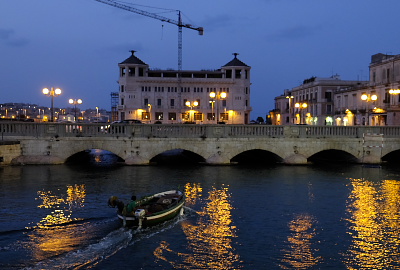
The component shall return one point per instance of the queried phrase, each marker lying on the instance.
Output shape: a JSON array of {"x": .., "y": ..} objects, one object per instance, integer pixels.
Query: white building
[{"x": 169, "y": 96}]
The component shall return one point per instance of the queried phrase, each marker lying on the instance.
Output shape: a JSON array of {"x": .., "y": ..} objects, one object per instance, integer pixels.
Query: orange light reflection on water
[
  {"x": 375, "y": 225},
  {"x": 209, "y": 240},
  {"x": 53, "y": 235},
  {"x": 300, "y": 254}
]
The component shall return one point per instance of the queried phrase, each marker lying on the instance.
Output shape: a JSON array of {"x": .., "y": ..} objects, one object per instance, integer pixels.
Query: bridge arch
[
  {"x": 392, "y": 157},
  {"x": 333, "y": 156},
  {"x": 256, "y": 156},
  {"x": 99, "y": 157},
  {"x": 177, "y": 157}
]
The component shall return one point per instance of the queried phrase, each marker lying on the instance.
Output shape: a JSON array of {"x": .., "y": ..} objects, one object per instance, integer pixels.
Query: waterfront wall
[{"x": 9, "y": 150}]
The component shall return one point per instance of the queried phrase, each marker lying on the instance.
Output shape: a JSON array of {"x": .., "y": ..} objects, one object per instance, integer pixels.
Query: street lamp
[
  {"x": 217, "y": 96},
  {"x": 368, "y": 98},
  {"x": 149, "y": 105},
  {"x": 75, "y": 102},
  {"x": 290, "y": 108},
  {"x": 191, "y": 105},
  {"x": 52, "y": 93},
  {"x": 301, "y": 106}
]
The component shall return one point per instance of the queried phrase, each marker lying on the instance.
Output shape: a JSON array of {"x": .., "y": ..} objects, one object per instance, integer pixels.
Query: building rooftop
[
  {"x": 133, "y": 60},
  {"x": 235, "y": 62}
]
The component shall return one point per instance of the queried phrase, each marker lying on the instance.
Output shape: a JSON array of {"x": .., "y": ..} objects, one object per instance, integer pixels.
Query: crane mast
[{"x": 161, "y": 18}]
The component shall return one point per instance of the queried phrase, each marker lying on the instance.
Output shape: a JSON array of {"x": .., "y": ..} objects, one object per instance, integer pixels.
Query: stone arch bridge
[{"x": 137, "y": 144}]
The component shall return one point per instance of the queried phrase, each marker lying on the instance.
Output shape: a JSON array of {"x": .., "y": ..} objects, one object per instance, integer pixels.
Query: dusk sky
[{"x": 77, "y": 44}]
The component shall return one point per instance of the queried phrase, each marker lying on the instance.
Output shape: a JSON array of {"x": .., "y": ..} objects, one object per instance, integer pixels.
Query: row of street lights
[
  {"x": 53, "y": 92},
  {"x": 364, "y": 97},
  {"x": 215, "y": 97}
]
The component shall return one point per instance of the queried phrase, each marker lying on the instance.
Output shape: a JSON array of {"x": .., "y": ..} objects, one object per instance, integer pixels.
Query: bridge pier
[
  {"x": 296, "y": 159},
  {"x": 218, "y": 159},
  {"x": 136, "y": 160}
]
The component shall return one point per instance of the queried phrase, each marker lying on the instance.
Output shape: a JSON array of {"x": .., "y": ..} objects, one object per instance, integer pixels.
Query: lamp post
[
  {"x": 301, "y": 106},
  {"x": 149, "y": 105},
  {"x": 290, "y": 108},
  {"x": 52, "y": 93},
  {"x": 75, "y": 102},
  {"x": 191, "y": 105},
  {"x": 368, "y": 98},
  {"x": 97, "y": 114},
  {"x": 217, "y": 96}
]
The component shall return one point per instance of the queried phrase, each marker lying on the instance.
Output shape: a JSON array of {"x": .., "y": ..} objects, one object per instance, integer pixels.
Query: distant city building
[
  {"x": 311, "y": 103},
  {"x": 345, "y": 103},
  {"x": 194, "y": 96}
]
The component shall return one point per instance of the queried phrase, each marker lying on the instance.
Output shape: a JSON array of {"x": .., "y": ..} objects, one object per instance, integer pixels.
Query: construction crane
[{"x": 161, "y": 18}]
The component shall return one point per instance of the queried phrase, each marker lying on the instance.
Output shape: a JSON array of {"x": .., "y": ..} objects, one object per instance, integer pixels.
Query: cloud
[
  {"x": 7, "y": 37},
  {"x": 293, "y": 33}
]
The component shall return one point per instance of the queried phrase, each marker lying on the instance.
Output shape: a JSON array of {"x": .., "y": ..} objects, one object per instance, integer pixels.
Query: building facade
[
  {"x": 375, "y": 103},
  {"x": 188, "y": 96},
  {"x": 331, "y": 101},
  {"x": 310, "y": 103}
]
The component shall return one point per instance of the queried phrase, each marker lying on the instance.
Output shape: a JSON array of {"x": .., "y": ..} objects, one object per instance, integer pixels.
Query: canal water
[{"x": 236, "y": 217}]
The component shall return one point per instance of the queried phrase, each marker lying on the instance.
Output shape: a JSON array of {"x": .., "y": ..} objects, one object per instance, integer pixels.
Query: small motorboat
[{"x": 150, "y": 210}]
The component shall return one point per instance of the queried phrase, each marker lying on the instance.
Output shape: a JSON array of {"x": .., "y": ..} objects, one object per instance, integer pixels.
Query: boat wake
[
  {"x": 109, "y": 245},
  {"x": 91, "y": 255}
]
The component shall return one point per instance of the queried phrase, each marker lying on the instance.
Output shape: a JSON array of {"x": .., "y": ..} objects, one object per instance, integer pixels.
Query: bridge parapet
[{"x": 39, "y": 130}]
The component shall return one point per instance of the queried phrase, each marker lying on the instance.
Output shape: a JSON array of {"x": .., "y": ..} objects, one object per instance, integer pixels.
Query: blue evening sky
[{"x": 77, "y": 44}]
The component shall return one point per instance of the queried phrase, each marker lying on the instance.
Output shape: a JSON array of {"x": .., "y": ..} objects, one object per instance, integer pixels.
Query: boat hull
[{"x": 152, "y": 219}]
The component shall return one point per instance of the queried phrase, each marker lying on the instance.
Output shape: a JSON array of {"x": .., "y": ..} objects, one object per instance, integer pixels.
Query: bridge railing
[{"x": 19, "y": 129}]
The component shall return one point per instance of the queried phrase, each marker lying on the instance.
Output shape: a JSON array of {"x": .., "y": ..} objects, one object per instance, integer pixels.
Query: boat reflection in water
[
  {"x": 300, "y": 254},
  {"x": 57, "y": 233},
  {"x": 210, "y": 239},
  {"x": 374, "y": 216}
]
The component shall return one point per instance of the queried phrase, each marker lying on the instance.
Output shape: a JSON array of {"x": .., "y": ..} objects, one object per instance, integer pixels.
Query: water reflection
[
  {"x": 374, "y": 225},
  {"x": 55, "y": 234},
  {"x": 300, "y": 254},
  {"x": 193, "y": 192},
  {"x": 209, "y": 240}
]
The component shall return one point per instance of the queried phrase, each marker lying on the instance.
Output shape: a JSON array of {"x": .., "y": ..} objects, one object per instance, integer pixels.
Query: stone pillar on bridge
[{"x": 372, "y": 148}]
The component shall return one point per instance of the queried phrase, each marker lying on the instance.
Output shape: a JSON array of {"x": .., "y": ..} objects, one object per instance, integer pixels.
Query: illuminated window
[{"x": 198, "y": 116}]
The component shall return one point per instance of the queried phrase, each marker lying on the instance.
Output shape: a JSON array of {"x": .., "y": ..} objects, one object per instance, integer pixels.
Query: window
[
  {"x": 159, "y": 102},
  {"x": 228, "y": 74},
  {"x": 238, "y": 73},
  {"x": 198, "y": 116},
  {"x": 172, "y": 102},
  {"x": 122, "y": 88},
  {"x": 224, "y": 103},
  {"x": 211, "y": 116},
  {"x": 122, "y": 101},
  {"x": 329, "y": 109},
  {"x": 131, "y": 72},
  {"x": 171, "y": 116},
  {"x": 146, "y": 101},
  {"x": 224, "y": 117},
  {"x": 185, "y": 116},
  {"x": 145, "y": 116},
  {"x": 159, "y": 116},
  {"x": 122, "y": 72}
]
